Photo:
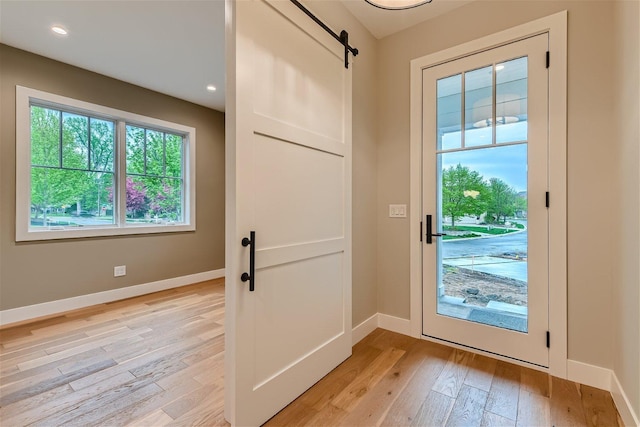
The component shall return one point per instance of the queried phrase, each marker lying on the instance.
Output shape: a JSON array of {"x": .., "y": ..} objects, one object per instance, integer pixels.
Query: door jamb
[{"x": 556, "y": 26}]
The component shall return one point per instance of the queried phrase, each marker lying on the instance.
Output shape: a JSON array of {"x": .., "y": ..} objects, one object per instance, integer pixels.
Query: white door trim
[{"x": 556, "y": 26}]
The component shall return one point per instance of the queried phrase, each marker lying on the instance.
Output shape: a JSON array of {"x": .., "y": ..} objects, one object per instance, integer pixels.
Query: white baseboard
[
  {"x": 590, "y": 375},
  {"x": 20, "y": 314},
  {"x": 364, "y": 329},
  {"x": 394, "y": 324},
  {"x": 379, "y": 320},
  {"x": 629, "y": 417}
]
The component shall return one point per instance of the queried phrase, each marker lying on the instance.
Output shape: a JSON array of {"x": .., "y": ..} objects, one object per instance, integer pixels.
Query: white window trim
[
  {"x": 24, "y": 96},
  {"x": 556, "y": 26}
]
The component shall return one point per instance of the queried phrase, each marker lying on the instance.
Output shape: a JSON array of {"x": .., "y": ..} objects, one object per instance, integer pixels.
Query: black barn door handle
[
  {"x": 430, "y": 233},
  {"x": 251, "y": 242}
]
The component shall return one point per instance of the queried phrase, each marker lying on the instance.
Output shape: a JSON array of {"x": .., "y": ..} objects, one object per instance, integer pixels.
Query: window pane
[
  {"x": 511, "y": 101},
  {"x": 478, "y": 99},
  {"x": 45, "y": 137},
  {"x": 102, "y": 145},
  {"x": 75, "y": 141},
  {"x": 155, "y": 153},
  {"x": 135, "y": 150},
  {"x": 173, "y": 156},
  {"x": 449, "y": 98},
  {"x": 70, "y": 198},
  {"x": 153, "y": 200}
]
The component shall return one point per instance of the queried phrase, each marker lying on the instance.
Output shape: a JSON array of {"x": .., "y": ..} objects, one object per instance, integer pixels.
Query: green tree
[
  {"x": 502, "y": 200},
  {"x": 464, "y": 192},
  {"x": 97, "y": 159},
  {"x": 51, "y": 186}
]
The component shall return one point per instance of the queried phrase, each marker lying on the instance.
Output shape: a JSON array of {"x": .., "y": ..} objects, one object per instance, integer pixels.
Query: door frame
[{"x": 556, "y": 26}]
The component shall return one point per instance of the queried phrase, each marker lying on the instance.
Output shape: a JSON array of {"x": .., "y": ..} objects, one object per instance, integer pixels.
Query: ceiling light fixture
[
  {"x": 499, "y": 67},
  {"x": 211, "y": 88},
  {"x": 397, "y": 4},
  {"x": 59, "y": 30}
]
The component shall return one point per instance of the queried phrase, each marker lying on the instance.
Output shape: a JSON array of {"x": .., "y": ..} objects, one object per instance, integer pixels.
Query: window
[{"x": 86, "y": 170}]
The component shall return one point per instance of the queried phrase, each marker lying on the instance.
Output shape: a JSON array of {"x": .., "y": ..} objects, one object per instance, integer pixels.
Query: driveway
[{"x": 498, "y": 245}]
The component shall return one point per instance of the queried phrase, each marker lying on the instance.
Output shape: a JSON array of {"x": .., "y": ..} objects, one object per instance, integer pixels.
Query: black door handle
[
  {"x": 430, "y": 234},
  {"x": 251, "y": 242}
]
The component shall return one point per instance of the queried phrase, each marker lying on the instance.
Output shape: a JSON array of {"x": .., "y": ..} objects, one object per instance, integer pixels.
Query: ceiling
[
  {"x": 382, "y": 23},
  {"x": 174, "y": 47}
]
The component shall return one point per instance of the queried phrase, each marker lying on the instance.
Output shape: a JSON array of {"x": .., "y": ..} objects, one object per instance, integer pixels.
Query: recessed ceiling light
[
  {"x": 211, "y": 88},
  {"x": 499, "y": 67},
  {"x": 59, "y": 30}
]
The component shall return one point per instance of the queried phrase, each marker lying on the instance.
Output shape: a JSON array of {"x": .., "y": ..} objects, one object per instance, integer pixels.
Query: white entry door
[
  {"x": 485, "y": 216},
  {"x": 288, "y": 159}
]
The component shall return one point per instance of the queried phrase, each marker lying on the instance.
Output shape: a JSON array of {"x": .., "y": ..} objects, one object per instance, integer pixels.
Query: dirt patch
[{"x": 479, "y": 288}]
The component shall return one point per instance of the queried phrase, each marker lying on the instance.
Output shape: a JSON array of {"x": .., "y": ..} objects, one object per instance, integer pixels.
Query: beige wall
[
  {"x": 365, "y": 77},
  {"x": 37, "y": 272},
  {"x": 626, "y": 289},
  {"x": 592, "y": 155}
]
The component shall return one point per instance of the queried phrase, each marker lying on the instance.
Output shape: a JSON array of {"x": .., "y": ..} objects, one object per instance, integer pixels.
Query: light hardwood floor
[{"x": 157, "y": 360}]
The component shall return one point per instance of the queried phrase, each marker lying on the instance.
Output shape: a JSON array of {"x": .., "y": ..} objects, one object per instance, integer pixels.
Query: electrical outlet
[
  {"x": 120, "y": 270},
  {"x": 397, "y": 211}
]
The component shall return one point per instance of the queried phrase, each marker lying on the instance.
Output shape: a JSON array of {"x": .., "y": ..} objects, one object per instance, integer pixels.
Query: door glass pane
[
  {"x": 483, "y": 258},
  {"x": 478, "y": 107},
  {"x": 511, "y": 101},
  {"x": 449, "y": 98}
]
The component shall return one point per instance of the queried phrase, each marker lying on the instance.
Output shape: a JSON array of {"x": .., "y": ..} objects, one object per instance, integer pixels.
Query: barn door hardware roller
[{"x": 343, "y": 38}]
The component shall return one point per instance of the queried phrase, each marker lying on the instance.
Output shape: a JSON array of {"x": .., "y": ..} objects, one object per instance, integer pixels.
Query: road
[{"x": 510, "y": 243}]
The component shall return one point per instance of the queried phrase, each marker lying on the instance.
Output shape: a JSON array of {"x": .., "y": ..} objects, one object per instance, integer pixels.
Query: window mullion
[
  {"x": 60, "y": 142},
  {"x": 89, "y": 144},
  {"x": 120, "y": 174},
  {"x": 494, "y": 90}
]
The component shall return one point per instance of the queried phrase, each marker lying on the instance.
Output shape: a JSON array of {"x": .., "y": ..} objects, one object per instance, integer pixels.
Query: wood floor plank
[
  {"x": 452, "y": 377},
  {"x": 490, "y": 419},
  {"x": 325, "y": 390},
  {"x": 468, "y": 408},
  {"x": 296, "y": 414},
  {"x": 480, "y": 373},
  {"x": 598, "y": 406},
  {"x": 566, "y": 404},
  {"x": 157, "y": 418},
  {"x": 407, "y": 405},
  {"x": 535, "y": 381},
  {"x": 434, "y": 411},
  {"x": 348, "y": 398},
  {"x": 533, "y": 409},
  {"x": 155, "y": 402},
  {"x": 504, "y": 392},
  {"x": 374, "y": 406}
]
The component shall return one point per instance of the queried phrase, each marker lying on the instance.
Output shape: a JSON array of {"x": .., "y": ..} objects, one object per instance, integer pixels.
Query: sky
[{"x": 509, "y": 163}]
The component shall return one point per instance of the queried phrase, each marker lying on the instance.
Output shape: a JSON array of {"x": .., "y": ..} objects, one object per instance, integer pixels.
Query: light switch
[{"x": 397, "y": 211}]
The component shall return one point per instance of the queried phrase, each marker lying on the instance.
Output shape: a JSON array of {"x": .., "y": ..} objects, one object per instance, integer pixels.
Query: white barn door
[{"x": 288, "y": 149}]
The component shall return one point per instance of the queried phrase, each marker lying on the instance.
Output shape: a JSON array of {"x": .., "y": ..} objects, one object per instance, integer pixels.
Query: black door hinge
[
  {"x": 548, "y": 59},
  {"x": 548, "y": 340},
  {"x": 547, "y": 199},
  {"x": 421, "y": 231}
]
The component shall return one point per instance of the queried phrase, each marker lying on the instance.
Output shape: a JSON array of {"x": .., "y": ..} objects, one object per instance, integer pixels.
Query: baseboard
[
  {"x": 364, "y": 329},
  {"x": 29, "y": 312},
  {"x": 590, "y": 375},
  {"x": 394, "y": 324},
  {"x": 628, "y": 415}
]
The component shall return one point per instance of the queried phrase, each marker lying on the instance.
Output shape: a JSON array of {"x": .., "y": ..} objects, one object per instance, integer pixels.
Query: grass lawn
[{"x": 480, "y": 229}]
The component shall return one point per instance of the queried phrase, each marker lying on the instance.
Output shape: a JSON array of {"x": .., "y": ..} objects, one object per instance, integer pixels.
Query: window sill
[{"x": 87, "y": 232}]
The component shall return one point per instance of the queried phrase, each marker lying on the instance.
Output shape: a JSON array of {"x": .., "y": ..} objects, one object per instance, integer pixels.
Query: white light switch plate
[{"x": 397, "y": 211}]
